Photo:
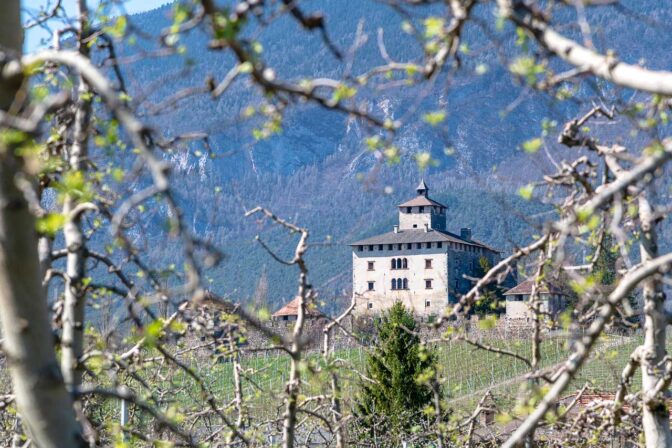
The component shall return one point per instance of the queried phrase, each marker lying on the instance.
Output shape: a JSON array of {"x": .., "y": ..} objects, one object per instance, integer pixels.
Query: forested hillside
[{"x": 317, "y": 171}]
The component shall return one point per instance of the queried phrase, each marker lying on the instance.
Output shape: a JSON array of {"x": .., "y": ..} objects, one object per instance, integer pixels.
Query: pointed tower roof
[
  {"x": 422, "y": 198},
  {"x": 422, "y": 188}
]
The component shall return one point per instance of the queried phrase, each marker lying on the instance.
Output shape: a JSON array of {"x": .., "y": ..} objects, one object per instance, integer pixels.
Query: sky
[{"x": 35, "y": 37}]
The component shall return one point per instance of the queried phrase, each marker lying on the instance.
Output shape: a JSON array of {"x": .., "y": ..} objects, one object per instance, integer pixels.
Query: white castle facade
[{"x": 419, "y": 262}]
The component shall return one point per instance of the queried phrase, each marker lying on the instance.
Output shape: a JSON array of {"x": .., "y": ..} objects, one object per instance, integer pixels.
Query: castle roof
[
  {"x": 423, "y": 197},
  {"x": 421, "y": 201},
  {"x": 418, "y": 236},
  {"x": 525, "y": 288},
  {"x": 292, "y": 309}
]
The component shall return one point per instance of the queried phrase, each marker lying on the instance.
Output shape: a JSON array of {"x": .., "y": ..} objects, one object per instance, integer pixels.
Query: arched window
[
  {"x": 405, "y": 263},
  {"x": 394, "y": 283},
  {"x": 394, "y": 263},
  {"x": 398, "y": 263},
  {"x": 405, "y": 284}
]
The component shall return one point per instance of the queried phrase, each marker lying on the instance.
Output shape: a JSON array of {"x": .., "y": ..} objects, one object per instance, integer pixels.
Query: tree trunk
[
  {"x": 42, "y": 400},
  {"x": 655, "y": 418},
  {"x": 72, "y": 343}
]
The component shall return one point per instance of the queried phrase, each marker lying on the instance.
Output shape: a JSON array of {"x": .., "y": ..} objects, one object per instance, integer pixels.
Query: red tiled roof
[
  {"x": 292, "y": 309},
  {"x": 525, "y": 288},
  {"x": 588, "y": 399}
]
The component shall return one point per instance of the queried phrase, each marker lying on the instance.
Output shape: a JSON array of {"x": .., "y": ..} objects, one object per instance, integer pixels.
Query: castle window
[
  {"x": 399, "y": 246},
  {"x": 428, "y": 263},
  {"x": 428, "y": 303},
  {"x": 405, "y": 264},
  {"x": 371, "y": 266},
  {"x": 429, "y": 245},
  {"x": 390, "y": 246},
  {"x": 409, "y": 246},
  {"x": 371, "y": 284},
  {"x": 439, "y": 244},
  {"x": 421, "y": 209},
  {"x": 360, "y": 248},
  {"x": 398, "y": 263},
  {"x": 418, "y": 245},
  {"x": 415, "y": 226},
  {"x": 370, "y": 247},
  {"x": 370, "y": 305},
  {"x": 394, "y": 263},
  {"x": 405, "y": 284},
  {"x": 380, "y": 247},
  {"x": 408, "y": 209},
  {"x": 428, "y": 284},
  {"x": 394, "y": 283}
]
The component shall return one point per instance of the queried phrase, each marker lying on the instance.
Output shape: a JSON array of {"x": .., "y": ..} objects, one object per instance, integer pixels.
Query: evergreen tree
[
  {"x": 490, "y": 301},
  {"x": 606, "y": 274},
  {"x": 605, "y": 265},
  {"x": 401, "y": 369},
  {"x": 260, "y": 296}
]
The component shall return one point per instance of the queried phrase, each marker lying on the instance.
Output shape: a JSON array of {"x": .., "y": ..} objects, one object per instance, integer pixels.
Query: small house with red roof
[{"x": 290, "y": 311}]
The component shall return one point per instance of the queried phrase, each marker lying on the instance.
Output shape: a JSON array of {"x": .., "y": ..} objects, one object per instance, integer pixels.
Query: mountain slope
[{"x": 317, "y": 172}]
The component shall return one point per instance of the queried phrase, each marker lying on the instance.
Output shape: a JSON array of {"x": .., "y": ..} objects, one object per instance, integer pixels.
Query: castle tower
[{"x": 421, "y": 212}]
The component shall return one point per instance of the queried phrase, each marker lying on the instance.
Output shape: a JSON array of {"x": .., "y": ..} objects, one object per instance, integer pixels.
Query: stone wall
[
  {"x": 364, "y": 329},
  {"x": 453, "y": 266},
  {"x": 422, "y": 301}
]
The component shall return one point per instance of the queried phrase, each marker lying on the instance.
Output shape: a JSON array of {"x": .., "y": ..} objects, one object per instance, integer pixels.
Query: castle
[{"x": 419, "y": 263}]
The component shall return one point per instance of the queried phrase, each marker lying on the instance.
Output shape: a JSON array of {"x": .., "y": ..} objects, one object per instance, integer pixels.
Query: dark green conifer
[
  {"x": 403, "y": 371},
  {"x": 605, "y": 265}
]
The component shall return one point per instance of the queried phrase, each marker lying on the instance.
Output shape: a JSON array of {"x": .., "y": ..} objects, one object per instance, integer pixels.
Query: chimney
[
  {"x": 426, "y": 227},
  {"x": 396, "y": 229},
  {"x": 465, "y": 233}
]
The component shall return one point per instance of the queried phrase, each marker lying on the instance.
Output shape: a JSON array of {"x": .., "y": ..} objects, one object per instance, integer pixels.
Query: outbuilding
[
  {"x": 290, "y": 311},
  {"x": 553, "y": 299}
]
